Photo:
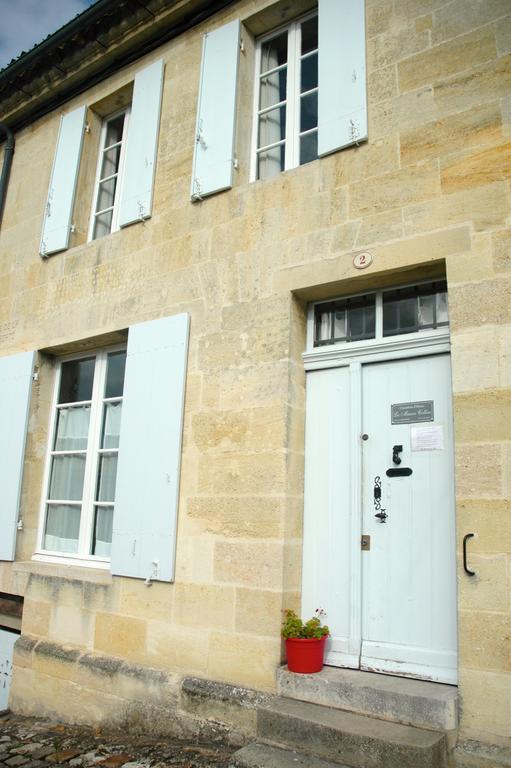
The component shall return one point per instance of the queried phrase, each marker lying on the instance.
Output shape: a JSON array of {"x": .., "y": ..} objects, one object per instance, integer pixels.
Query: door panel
[
  {"x": 328, "y": 573},
  {"x": 408, "y": 576},
  {"x": 7, "y": 640}
]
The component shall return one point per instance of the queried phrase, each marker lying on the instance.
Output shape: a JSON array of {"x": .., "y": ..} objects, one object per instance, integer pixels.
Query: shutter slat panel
[
  {"x": 15, "y": 390},
  {"x": 142, "y": 142},
  {"x": 147, "y": 490},
  {"x": 342, "y": 101},
  {"x": 213, "y": 158},
  {"x": 64, "y": 175}
]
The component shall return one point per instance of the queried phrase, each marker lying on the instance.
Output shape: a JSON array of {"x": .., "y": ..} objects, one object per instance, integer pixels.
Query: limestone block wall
[{"x": 428, "y": 195}]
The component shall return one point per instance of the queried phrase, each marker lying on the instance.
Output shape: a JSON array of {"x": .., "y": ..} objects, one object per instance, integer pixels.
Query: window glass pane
[
  {"x": 309, "y": 73},
  {"x": 310, "y": 34},
  {"x": 72, "y": 429},
  {"x": 106, "y": 194},
  {"x": 111, "y": 425},
  {"x": 308, "y": 148},
  {"x": 102, "y": 536},
  {"x": 361, "y": 321},
  {"x": 273, "y": 88},
  {"x": 62, "y": 528},
  {"x": 76, "y": 380},
  {"x": 270, "y": 162},
  {"x": 110, "y": 162},
  {"x": 442, "y": 309},
  {"x": 114, "y": 129},
  {"x": 272, "y": 127},
  {"x": 427, "y": 310},
  {"x": 408, "y": 315},
  {"x": 309, "y": 111},
  {"x": 322, "y": 323},
  {"x": 390, "y": 318},
  {"x": 67, "y": 474},
  {"x": 106, "y": 477},
  {"x": 339, "y": 324},
  {"x": 115, "y": 374},
  {"x": 274, "y": 52},
  {"x": 102, "y": 224}
]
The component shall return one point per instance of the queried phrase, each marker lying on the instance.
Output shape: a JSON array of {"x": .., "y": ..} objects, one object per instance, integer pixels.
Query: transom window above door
[
  {"x": 413, "y": 309},
  {"x": 286, "y": 119}
]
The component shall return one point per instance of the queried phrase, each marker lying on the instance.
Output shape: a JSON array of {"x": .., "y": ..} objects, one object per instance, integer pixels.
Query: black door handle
[{"x": 465, "y": 566}]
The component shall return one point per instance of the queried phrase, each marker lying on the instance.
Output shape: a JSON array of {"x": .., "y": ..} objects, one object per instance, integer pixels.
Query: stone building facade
[{"x": 425, "y": 194}]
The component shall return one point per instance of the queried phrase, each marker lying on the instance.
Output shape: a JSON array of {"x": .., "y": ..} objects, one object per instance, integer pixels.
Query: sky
[{"x": 23, "y": 23}]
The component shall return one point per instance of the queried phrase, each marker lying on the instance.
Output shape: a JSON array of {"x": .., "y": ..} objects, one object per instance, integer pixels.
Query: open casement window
[
  {"x": 123, "y": 192},
  {"x": 287, "y": 111},
  {"x": 80, "y": 493},
  {"x": 112, "y": 483},
  {"x": 310, "y": 89},
  {"x": 107, "y": 192}
]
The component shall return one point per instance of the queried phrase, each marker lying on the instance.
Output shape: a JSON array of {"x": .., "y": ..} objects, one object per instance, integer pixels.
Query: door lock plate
[{"x": 365, "y": 543}]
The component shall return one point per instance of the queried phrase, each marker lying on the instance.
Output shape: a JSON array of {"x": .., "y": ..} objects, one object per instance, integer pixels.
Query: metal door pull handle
[
  {"x": 465, "y": 566},
  {"x": 399, "y": 472}
]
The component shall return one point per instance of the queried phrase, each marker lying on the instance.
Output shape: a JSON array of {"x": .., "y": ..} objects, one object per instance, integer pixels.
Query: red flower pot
[{"x": 305, "y": 654}]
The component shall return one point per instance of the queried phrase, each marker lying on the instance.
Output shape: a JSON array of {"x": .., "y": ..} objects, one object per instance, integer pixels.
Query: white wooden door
[
  {"x": 409, "y": 572},
  {"x": 391, "y": 608},
  {"x": 7, "y": 640}
]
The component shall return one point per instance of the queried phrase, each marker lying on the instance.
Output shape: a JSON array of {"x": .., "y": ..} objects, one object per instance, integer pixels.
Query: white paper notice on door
[{"x": 429, "y": 438}]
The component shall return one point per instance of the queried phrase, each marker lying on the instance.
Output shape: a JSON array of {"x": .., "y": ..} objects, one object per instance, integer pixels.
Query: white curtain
[
  {"x": 62, "y": 528},
  {"x": 72, "y": 429},
  {"x": 103, "y": 540},
  {"x": 112, "y": 430}
]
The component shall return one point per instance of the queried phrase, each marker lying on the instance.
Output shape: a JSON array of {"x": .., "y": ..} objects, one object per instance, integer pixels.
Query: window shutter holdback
[
  {"x": 342, "y": 104},
  {"x": 141, "y": 147},
  {"x": 15, "y": 390},
  {"x": 147, "y": 489},
  {"x": 213, "y": 158},
  {"x": 61, "y": 192}
]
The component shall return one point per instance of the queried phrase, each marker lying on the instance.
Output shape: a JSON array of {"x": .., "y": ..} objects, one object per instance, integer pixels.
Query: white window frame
[
  {"x": 120, "y": 173},
  {"x": 426, "y": 341},
  {"x": 292, "y": 102},
  {"x": 83, "y": 556}
]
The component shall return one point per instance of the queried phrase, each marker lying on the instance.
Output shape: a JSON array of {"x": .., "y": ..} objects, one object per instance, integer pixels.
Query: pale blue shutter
[
  {"x": 342, "y": 101},
  {"x": 147, "y": 491},
  {"x": 142, "y": 142},
  {"x": 213, "y": 158},
  {"x": 15, "y": 389},
  {"x": 64, "y": 175}
]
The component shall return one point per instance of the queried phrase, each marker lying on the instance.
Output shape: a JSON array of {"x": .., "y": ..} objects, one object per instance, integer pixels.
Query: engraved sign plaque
[{"x": 412, "y": 413}]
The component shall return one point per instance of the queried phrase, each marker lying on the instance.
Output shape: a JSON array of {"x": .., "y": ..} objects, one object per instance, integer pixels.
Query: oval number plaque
[{"x": 362, "y": 260}]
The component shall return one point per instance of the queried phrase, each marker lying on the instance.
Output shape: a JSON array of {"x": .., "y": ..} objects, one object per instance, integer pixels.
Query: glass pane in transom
[
  {"x": 76, "y": 380},
  {"x": 274, "y": 52}
]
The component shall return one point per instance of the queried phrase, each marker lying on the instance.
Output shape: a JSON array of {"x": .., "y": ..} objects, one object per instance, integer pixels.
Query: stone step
[
  {"x": 399, "y": 699},
  {"x": 265, "y": 756},
  {"x": 349, "y": 739}
]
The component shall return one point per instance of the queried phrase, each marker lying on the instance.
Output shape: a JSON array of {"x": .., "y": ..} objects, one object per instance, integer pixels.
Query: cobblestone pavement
[{"x": 27, "y": 742}]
